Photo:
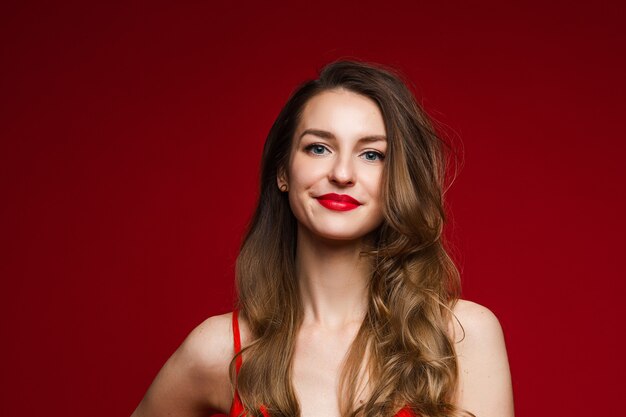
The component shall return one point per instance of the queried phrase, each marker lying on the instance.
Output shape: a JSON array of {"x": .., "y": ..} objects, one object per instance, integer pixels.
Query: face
[{"x": 336, "y": 166}]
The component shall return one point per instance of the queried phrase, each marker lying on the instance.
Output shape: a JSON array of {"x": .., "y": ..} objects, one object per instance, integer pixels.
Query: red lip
[{"x": 339, "y": 202}]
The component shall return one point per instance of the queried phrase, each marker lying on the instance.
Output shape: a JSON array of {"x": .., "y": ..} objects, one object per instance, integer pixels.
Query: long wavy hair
[{"x": 402, "y": 353}]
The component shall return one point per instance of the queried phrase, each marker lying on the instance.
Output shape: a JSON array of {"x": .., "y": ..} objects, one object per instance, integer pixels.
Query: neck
[{"x": 333, "y": 280}]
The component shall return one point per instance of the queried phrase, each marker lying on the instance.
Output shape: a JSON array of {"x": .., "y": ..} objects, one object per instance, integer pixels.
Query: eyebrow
[{"x": 328, "y": 135}]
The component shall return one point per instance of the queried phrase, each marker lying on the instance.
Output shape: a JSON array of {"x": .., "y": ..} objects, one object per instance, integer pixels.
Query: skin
[{"x": 329, "y": 156}]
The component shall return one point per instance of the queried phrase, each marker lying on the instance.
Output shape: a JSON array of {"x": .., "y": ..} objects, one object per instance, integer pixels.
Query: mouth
[{"x": 338, "y": 202}]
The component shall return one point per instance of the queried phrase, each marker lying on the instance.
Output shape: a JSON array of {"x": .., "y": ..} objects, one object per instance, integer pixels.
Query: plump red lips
[{"x": 339, "y": 202}]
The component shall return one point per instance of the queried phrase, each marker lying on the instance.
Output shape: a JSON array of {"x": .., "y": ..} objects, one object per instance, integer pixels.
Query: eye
[
  {"x": 373, "y": 156},
  {"x": 316, "y": 149}
]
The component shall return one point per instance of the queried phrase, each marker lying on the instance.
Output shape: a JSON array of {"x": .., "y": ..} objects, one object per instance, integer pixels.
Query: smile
[{"x": 338, "y": 202}]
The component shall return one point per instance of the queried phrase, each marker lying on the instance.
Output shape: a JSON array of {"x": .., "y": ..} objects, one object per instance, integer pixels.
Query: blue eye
[
  {"x": 373, "y": 156},
  {"x": 316, "y": 149}
]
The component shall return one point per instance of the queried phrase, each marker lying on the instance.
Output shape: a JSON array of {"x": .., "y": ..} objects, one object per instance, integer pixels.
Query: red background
[{"x": 130, "y": 143}]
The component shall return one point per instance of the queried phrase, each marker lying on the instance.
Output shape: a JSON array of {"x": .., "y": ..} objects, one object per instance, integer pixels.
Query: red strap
[
  {"x": 405, "y": 412},
  {"x": 236, "y": 407},
  {"x": 237, "y": 340}
]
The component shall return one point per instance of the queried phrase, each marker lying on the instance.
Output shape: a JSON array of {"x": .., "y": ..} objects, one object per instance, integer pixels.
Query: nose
[{"x": 342, "y": 172}]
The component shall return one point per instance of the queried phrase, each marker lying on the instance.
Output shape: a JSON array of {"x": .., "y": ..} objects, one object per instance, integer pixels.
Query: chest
[{"x": 318, "y": 361}]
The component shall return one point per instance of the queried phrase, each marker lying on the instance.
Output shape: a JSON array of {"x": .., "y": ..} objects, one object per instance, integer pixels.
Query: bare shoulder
[
  {"x": 484, "y": 377},
  {"x": 195, "y": 379},
  {"x": 473, "y": 323},
  {"x": 210, "y": 344}
]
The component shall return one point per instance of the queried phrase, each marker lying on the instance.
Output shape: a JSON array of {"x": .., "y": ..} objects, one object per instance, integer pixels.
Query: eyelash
[{"x": 310, "y": 147}]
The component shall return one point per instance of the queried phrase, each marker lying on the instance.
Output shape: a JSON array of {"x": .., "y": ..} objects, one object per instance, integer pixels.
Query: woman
[{"x": 348, "y": 302}]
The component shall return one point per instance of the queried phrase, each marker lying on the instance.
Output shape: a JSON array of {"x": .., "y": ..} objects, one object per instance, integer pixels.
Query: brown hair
[{"x": 404, "y": 337}]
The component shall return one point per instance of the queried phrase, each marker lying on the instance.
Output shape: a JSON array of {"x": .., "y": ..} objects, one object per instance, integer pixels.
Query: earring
[{"x": 283, "y": 187}]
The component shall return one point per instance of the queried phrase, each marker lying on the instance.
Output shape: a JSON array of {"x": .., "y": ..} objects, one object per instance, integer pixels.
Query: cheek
[
  {"x": 374, "y": 182},
  {"x": 304, "y": 174}
]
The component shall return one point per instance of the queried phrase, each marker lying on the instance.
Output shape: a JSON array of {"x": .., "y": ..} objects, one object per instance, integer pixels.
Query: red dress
[{"x": 236, "y": 407}]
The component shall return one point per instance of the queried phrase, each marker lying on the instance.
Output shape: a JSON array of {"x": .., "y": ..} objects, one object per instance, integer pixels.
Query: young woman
[{"x": 348, "y": 302}]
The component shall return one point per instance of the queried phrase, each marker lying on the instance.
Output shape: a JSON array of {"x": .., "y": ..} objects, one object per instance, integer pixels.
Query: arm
[
  {"x": 194, "y": 381},
  {"x": 484, "y": 387}
]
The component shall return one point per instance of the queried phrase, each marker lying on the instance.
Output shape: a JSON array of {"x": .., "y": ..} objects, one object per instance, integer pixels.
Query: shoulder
[
  {"x": 206, "y": 354},
  {"x": 484, "y": 386},
  {"x": 196, "y": 377},
  {"x": 473, "y": 323},
  {"x": 210, "y": 343}
]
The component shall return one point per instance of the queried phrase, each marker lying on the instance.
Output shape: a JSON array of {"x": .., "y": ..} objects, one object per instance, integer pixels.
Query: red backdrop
[{"x": 120, "y": 125}]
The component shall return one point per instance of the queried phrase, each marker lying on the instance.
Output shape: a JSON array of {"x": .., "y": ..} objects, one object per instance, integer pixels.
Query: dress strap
[
  {"x": 237, "y": 407},
  {"x": 237, "y": 340},
  {"x": 405, "y": 412}
]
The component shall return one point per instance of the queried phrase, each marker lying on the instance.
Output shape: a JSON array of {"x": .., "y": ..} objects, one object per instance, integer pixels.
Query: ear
[{"x": 281, "y": 180}]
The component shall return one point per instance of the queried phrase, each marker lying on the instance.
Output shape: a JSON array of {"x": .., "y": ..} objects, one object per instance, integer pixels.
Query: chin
[{"x": 340, "y": 236}]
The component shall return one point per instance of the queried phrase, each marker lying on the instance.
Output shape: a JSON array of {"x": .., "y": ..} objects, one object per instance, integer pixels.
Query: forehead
[{"x": 342, "y": 112}]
